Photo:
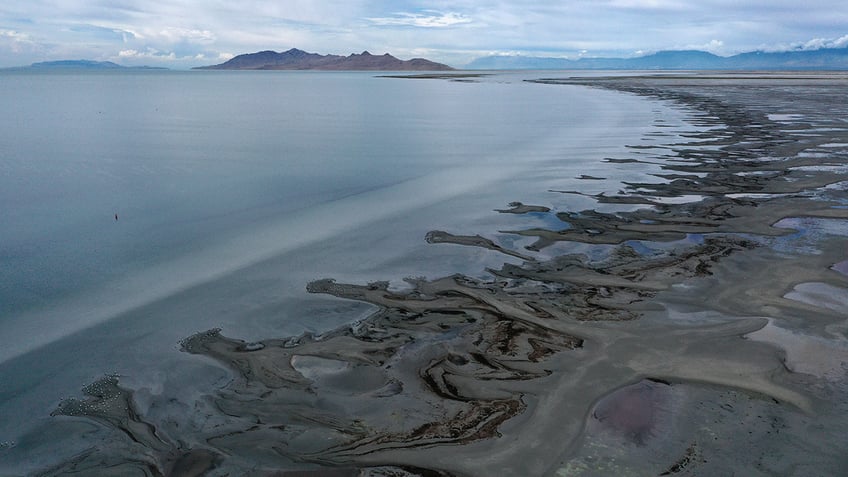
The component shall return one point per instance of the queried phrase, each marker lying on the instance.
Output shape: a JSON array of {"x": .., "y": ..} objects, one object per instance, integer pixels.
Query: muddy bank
[{"x": 675, "y": 347}]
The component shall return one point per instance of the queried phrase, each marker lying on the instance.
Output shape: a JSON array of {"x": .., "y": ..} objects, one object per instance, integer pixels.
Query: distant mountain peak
[
  {"x": 295, "y": 59},
  {"x": 825, "y": 58}
]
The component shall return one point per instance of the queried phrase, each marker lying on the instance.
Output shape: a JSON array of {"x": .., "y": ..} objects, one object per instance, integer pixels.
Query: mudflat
[{"x": 691, "y": 325}]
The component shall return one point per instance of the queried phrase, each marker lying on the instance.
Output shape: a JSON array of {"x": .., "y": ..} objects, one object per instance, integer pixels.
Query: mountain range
[
  {"x": 823, "y": 59},
  {"x": 87, "y": 65},
  {"x": 295, "y": 59}
]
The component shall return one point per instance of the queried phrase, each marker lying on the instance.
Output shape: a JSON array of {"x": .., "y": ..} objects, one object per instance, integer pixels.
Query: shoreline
[{"x": 554, "y": 366}]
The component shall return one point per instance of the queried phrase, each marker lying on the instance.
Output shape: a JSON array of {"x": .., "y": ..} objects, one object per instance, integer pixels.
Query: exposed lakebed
[{"x": 694, "y": 324}]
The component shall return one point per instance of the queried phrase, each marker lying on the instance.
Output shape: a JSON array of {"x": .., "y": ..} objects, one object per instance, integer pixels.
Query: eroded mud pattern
[{"x": 704, "y": 335}]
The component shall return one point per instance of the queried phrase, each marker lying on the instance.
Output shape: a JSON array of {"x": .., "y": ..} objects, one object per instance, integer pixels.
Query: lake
[{"x": 141, "y": 207}]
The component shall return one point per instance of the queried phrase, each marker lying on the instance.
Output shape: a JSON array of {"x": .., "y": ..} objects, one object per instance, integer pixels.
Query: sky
[{"x": 185, "y": 33}]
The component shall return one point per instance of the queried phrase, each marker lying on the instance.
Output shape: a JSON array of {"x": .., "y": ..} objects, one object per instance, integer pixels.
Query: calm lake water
[{"x": 234, "y": 190}]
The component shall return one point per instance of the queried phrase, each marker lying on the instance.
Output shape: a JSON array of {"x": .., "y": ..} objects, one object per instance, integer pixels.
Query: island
[
  {"x": 87, "y": 65},
  {"x": 295, "y": 59}
]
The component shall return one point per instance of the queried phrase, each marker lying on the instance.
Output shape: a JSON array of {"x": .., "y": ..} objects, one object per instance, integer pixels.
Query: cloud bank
[{"x": 182, "y": 33}]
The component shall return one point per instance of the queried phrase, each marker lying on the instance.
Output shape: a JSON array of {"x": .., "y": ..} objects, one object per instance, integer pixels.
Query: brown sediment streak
[{"x": 468, "y": 376}]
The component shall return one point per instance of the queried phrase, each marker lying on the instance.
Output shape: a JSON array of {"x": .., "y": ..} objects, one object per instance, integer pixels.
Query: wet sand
[{"x": 705, "y": 336}]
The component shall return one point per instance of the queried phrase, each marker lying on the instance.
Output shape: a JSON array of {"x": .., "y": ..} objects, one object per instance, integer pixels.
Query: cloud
[
  {"x": 13, "y": 35},
  {"x": 17, "y": 42},
  {"x": 126, "y": 35},
  {"x": 813, "y": 44},
  {"x": 175, "y": 46},
  {"x": 148, "y": 54},
  {"x": 713, "y": 46},
  {"x": 819, "y": 43},
  {"x": 649, "y": 4},
  {"x": 176, "y": 35},
  {"x": 427, "y": 19}
]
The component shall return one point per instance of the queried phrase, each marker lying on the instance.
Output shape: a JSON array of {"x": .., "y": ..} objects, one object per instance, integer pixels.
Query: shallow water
[
  {"x": 210, "y": 173},
  {"x": 232, "y": 191},
  {"x": 628, "y": 323}
]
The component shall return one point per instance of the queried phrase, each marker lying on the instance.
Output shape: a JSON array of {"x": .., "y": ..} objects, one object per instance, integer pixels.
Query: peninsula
[{"x": 295, "y": 59}]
